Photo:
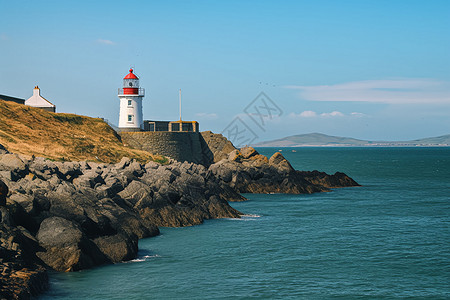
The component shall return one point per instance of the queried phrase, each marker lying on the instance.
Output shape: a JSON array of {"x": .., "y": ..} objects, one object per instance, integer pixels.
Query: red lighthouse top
[
  {"x": 131, "y": 85},
  {"x": 131, "y": 75}
]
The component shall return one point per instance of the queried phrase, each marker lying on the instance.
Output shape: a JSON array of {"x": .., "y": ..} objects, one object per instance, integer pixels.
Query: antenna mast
[{"x": 180, "y": 104}]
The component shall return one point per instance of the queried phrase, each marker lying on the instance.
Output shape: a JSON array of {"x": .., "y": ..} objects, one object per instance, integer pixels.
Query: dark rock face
[
  {"x": 330, "y": 181},
  {"x": 3, "y": 193},
  {"x": 69, "y": 216},
  {"x": 3, "y": 150},
  {"x": 22, "y": 276}
]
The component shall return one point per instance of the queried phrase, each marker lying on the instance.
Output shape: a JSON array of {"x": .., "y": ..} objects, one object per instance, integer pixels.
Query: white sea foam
[
  {"x": 251, "y": 216},
  {"x": 143, "y": 258},
  {"x": 245, "y": 218}
]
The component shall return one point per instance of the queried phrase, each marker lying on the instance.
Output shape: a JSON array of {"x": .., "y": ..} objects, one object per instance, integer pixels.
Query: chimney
[{"x": 36, "y": 91}]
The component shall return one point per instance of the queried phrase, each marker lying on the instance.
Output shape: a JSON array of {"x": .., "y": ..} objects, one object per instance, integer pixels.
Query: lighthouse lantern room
[{"x": 131, "y": 95}]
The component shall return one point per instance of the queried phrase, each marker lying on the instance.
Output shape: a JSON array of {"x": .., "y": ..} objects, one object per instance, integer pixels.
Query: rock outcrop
[
  {"x": 247, "y": 171},
  {"x": 215, "y": 147},
  {"x": 69, "y": 216}
]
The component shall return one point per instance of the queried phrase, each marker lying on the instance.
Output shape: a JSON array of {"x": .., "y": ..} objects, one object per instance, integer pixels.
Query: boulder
[
  {"x": 151, "y": 165},
  {"x": 124, "y": 162},
  {"x": 69, "y": 170},
  {"x": 13, "y": 163},
  {"x": 133, "y": 171},
  {"x": 113, "y": 185},
  {"x": 43, "y": 168},
  {"x": 222, "y": 171},
  {"x": 235, "y": 155},
  {"x": 66, "y": 247},
  {"x": 6, "y": 175},
  {"x": 136, "y": 192},
  {"x": 248, "y": 152},
  {"x": 256, "y": 160},
  {"x": 89, "y": 179},
  {"x": 118, "y": 247},
  {"x": 25, "y": 201},
  {"x": 277, "y": 160}
]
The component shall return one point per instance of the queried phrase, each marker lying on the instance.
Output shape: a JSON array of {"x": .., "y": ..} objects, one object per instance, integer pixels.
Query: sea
[{"x": 388, "y": 239}]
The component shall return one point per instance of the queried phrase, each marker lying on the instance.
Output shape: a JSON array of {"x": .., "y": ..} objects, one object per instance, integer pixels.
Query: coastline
[
  {"x": 69, "y": 216},
  {"x": 342, "y": 241}
]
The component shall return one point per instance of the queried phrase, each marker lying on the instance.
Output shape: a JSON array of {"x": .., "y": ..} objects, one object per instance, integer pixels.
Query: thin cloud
[
  {"x": 393, "y": 91},
  {"x": 307, "y": 114},
  {"x": 358, "y": 114},
  {"x": 105, "y": 42},
  {"x": 333, "y": 114},
  {"x": 208, "y": 116}
]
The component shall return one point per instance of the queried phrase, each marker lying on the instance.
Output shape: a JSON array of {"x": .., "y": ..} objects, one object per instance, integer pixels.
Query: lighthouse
[{"x": 131, "y": 95}]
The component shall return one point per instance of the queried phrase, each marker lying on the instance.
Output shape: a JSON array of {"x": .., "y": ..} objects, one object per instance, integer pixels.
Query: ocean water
[{"x": 388, "y": 239}]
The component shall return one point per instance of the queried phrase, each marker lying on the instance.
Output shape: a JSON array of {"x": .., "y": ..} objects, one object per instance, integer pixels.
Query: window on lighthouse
[
  {"x": 129, "y": 102},
  {"x": 130, "y": 118}
]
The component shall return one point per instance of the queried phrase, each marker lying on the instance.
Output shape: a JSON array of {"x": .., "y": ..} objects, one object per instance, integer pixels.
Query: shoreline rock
[{"x": 68, "y": 216}]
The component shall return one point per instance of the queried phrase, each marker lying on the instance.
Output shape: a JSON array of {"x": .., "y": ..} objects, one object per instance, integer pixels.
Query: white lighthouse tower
[{"x": 130, "y": 116}]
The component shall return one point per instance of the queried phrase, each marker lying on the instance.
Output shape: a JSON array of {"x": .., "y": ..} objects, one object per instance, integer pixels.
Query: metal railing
[
  {"x": 114, "y": 127},
  {"x": 141, "y": 92}
]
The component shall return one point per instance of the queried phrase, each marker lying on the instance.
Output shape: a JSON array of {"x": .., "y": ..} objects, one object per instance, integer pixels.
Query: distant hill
[
  {"x": 58, "y": 136},
  {"x": 323, "y": 140},
  {"x": 439, "y": 140}
]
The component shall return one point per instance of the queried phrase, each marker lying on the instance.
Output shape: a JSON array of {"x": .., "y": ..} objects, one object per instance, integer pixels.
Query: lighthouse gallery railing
[{"x": 137, "y": 92}]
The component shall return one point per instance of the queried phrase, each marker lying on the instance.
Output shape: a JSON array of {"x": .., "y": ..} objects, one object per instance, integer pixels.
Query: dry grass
[{"x": 58, "y": 136}]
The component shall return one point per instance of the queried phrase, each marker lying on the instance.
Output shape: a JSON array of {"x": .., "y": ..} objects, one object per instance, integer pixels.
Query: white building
[
  {"x": 38, "y": 101},
  {"x": 130, "y": 115}
]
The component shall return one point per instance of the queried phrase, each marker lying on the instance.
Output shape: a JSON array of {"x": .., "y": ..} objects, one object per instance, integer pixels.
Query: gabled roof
[{"x": 37, "y": 100}]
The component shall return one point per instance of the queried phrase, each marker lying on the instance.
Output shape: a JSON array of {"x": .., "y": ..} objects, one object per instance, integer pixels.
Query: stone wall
[
  {"x": 201, "y": 148},
  {"x": 181, "y": 146}
]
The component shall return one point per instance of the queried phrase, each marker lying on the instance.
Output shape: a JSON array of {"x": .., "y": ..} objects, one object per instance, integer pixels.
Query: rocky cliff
[{"x": 68, "y": 216}]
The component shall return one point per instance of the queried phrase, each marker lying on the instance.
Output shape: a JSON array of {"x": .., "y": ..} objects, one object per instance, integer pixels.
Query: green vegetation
[
  {"x": 161, "y": 159},
  {"x": 71, "y": 119}
]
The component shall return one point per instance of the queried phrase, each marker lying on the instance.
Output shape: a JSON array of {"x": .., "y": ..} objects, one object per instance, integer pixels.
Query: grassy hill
[
  {"x": 58, "y": 136},
  {"x": 319, "y": 139}
]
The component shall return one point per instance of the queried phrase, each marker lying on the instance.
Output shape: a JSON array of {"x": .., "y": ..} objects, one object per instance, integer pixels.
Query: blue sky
[{"x": 366, "y": 69}]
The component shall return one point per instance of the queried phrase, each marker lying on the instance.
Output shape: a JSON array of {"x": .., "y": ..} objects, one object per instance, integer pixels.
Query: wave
[
  {"x": 142, "y": 258},
  {"x": 251, "y": 216},
  {"x": 245, "y": 218}
]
